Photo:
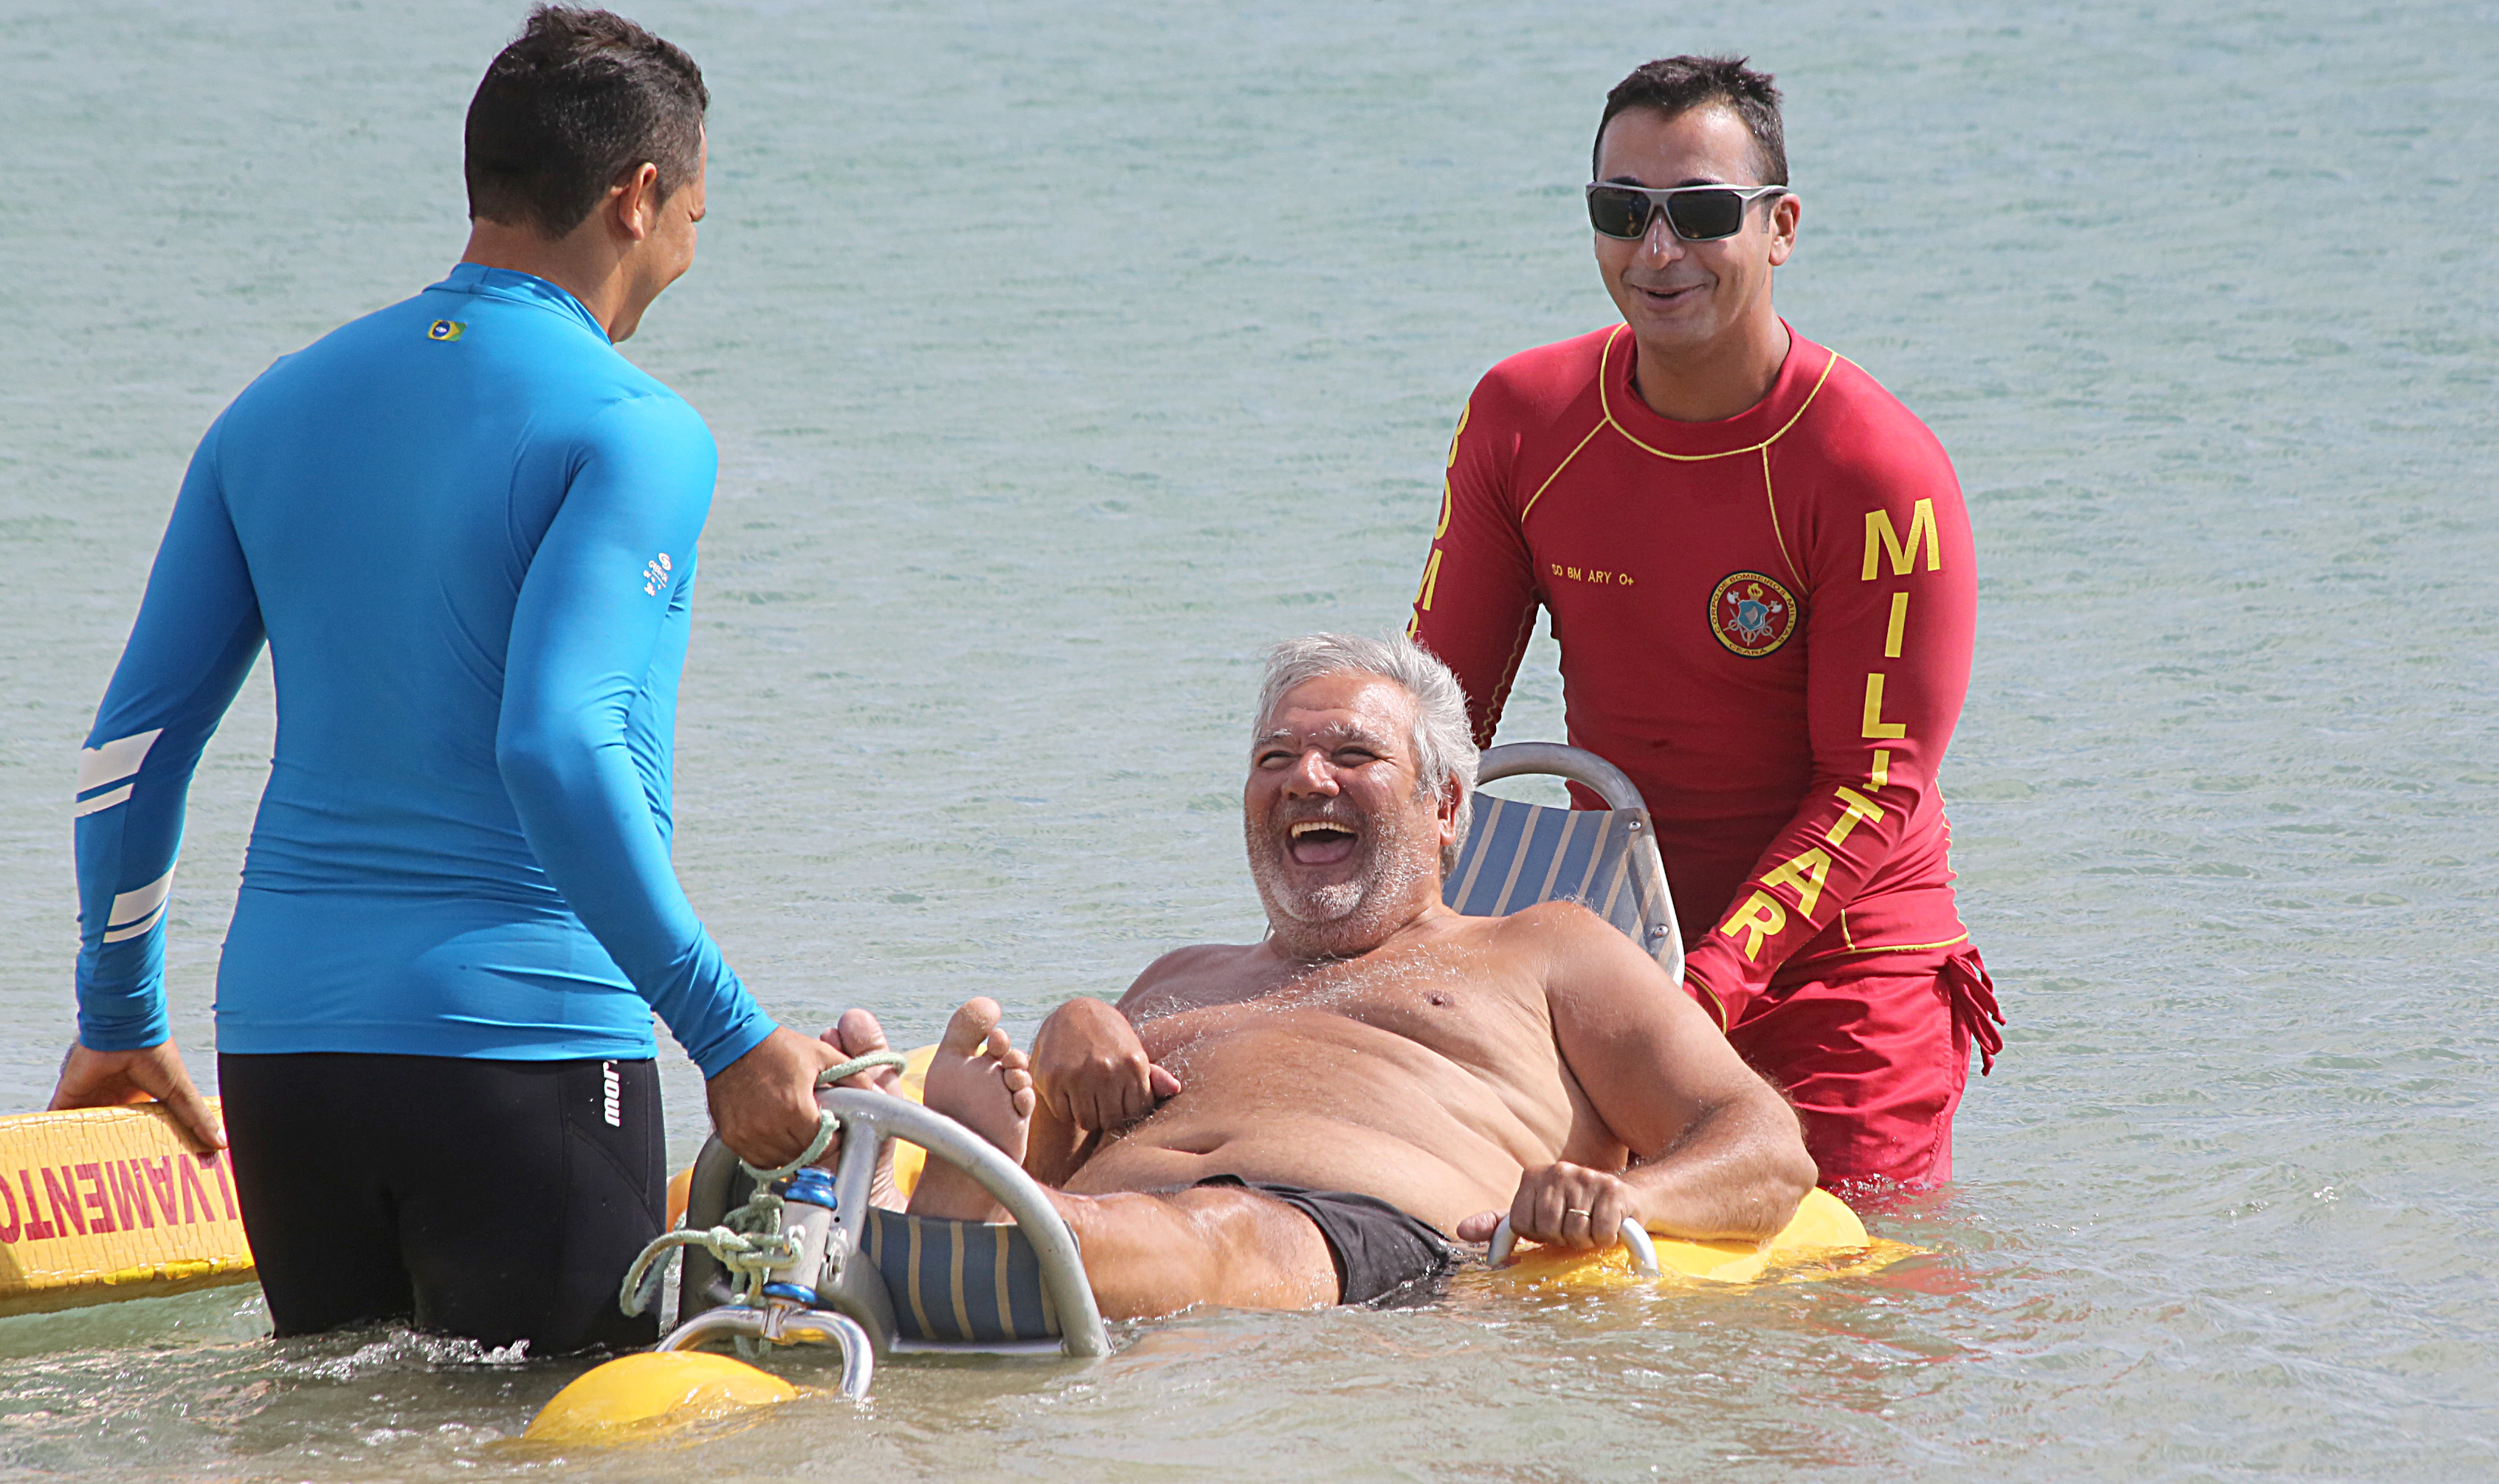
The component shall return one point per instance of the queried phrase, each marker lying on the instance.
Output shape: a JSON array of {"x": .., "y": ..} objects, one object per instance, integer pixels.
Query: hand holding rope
[{"x": 748, "y": 1243}]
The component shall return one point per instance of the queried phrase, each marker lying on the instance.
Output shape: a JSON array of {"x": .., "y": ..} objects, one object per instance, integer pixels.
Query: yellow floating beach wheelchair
[{"x": 797, "y": 1256}]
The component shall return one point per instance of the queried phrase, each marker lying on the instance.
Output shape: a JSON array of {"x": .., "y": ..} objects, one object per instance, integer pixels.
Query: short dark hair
[
  {"x": 580, "y": 99},
  {"x": 1678, "y": 85}
]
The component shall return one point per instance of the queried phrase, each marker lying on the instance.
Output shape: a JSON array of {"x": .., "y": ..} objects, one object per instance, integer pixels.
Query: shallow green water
[{"x": 1062, "y": 356}]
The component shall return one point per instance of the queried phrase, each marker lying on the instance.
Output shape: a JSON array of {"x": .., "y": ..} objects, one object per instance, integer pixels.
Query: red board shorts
[{"x": 1873, "y": 1052}]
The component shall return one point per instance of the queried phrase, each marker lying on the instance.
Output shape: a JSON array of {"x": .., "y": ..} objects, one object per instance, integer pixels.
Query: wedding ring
[{"x": 1578, "y": 1211}]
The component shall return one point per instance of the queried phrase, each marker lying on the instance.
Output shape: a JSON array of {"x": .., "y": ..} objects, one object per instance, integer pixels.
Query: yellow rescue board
[
  {"x": 1822, "y": 1240},
  {"x": 103, "y": 1203}
]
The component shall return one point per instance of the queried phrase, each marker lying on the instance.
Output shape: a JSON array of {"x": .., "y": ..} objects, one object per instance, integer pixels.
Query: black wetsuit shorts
[
  {"x": 1384, "y": 1256},
  {"x": 498, "y": 1200}
]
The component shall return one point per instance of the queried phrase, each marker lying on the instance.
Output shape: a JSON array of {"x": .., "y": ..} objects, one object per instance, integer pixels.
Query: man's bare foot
[
  {"x": 979, "y": 1080},
  {"x": 856, "y": 1034}
]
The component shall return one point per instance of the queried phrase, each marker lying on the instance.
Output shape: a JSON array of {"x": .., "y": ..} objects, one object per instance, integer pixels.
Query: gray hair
[{"x": 1444, "y": 746}]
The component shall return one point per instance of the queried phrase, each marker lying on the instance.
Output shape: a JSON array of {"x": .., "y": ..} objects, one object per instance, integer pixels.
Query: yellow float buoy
[
  {"x": 1823, "y": 1229},
  {"x": 637, "y": 1396}
]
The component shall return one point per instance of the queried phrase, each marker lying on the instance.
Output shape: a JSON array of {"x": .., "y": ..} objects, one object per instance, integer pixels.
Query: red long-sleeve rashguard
[{"x": 1767, "y": 621}]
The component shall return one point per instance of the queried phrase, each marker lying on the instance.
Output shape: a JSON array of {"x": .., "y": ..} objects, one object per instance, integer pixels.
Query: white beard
[{"x": 1389, "y": 870}]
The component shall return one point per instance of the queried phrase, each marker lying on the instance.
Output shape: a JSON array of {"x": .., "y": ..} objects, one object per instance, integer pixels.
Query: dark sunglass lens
[
  {"x": 1704, "y": 216},
  {"x": 1618, "y": 214}
]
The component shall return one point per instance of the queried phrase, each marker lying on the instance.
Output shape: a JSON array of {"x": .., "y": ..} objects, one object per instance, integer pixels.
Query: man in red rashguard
[{"x": 1761, "y": 575}]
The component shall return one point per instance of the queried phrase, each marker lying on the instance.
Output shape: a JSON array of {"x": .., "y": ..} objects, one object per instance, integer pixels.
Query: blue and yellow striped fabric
[
  {"x": 960, "y": 1281},
  {"x": 1605, "y": 859}
]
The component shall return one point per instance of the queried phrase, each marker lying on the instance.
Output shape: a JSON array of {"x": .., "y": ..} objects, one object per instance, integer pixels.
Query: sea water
[{"x": 1062, "y": 356}]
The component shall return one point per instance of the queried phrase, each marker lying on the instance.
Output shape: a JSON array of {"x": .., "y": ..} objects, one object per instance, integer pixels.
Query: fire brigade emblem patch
[{"x": 1752, "y": 614}]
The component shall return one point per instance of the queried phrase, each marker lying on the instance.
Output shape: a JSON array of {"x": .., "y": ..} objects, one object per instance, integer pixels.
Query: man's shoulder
[
  {"x": 1545, "y": 931},
  {"x": 1175, "y": 979},
  {"x": 1573, "y": 953},
  {"x": 354, "y": 349},
  {"x": 1560, "y": 920},
  {"x": 1197, "y": 957},
  {"x": 1548, "y": 376},
  {"x": 642, "y": 407},
  {"x": 1859, "y": 422},
  {"x": 520, "y": 349}
]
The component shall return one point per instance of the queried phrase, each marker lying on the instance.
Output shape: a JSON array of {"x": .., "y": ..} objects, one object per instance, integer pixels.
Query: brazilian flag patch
[{"x": 445, "y": 329}]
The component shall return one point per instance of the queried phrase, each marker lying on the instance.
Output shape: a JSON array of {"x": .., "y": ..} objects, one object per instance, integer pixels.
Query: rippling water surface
[{"x": 1062, "y": 355}]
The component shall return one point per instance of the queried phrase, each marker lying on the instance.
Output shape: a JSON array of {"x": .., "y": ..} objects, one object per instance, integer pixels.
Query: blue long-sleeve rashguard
[{"x": 465, "y": 527}]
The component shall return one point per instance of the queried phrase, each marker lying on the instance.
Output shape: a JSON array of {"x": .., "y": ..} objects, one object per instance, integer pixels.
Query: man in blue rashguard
[{"x": 465, "y": 527}]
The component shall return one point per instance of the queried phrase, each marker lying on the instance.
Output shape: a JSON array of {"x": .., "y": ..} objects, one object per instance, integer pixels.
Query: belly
[{"x": 1331, "y": 1104}]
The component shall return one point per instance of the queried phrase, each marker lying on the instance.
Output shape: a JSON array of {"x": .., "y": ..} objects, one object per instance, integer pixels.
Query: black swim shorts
[
  {"x": 498, "y": 1200},
  {"x": 1381, "y": 1253}
]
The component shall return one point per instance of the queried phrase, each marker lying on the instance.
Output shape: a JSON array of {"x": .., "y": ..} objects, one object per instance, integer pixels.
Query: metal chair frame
[
  {"x": 853, "y": 1307},
  {"x": 1660, "y": 936}
]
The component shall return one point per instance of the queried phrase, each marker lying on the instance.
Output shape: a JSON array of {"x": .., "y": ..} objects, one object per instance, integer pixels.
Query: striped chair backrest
[{"x": 1605, "y": 859}]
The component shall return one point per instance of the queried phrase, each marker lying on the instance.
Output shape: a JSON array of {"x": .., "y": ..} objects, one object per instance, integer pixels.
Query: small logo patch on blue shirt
[{"x": 445, "y": 329}]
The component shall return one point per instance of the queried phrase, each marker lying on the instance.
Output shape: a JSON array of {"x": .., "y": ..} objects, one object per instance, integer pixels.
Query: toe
[
  {"x": 857, "y": 1033},
  {"x": 969, "y": 1031}
]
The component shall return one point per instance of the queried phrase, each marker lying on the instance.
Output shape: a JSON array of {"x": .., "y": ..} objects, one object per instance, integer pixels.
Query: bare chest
[{"x": 1423, "y": 1014}]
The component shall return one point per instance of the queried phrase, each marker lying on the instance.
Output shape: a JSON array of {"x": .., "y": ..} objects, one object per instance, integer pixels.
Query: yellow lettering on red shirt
[
  {"x": 1447, "y": 496},
  {"x": 1881, "y": 772},
  {"x": 1891, "y": 632},
  {"x": 1431, "y": 579},
  {"x": 1875, "y": 727},
  {"x": 1762, "y": 916},
  {"x": 1854, "y": 806},
  {"x": 1882, "y": 540},
  {"x": 1805, "y": 876}
]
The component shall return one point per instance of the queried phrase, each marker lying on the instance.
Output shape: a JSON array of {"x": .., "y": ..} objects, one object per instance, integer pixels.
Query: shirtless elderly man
[{"x": 1297, "y": 1122}]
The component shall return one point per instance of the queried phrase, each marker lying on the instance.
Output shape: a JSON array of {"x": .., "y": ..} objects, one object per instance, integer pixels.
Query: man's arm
[
  {"x": 1476, "y": 606},
  {"x": 1890, "y": 613},
  {"x": 198, "y": 633},
  {"x": 586, "y": 631},
  {"x": 1091, "y": 1073},
  {"x": 1716, "y": 1152}
]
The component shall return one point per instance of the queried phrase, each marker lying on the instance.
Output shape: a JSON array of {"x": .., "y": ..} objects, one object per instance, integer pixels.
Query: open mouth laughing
[{"x": 1321, "y": 842}]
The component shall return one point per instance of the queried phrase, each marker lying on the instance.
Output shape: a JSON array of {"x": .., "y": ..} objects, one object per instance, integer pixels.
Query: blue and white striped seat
[{"x": 1605, "y": 859}]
